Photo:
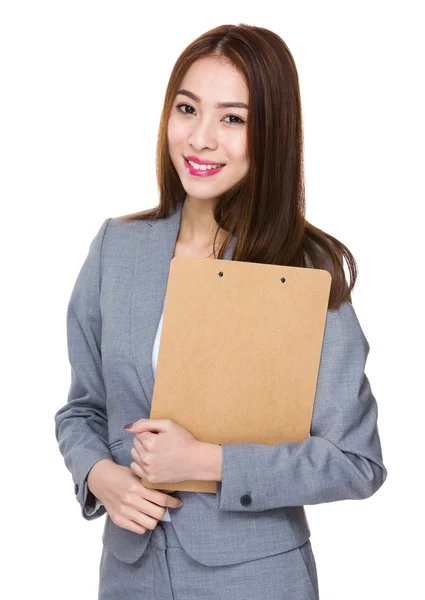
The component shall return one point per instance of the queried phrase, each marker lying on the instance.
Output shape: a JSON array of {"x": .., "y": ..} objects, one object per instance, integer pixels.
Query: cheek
[
  {"x": 176, "y": 133},
  {"x": 236, "y": 149}
]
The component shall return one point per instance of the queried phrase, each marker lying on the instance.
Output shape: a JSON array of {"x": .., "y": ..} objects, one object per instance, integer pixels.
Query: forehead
[{"x": 215, "y": 81}]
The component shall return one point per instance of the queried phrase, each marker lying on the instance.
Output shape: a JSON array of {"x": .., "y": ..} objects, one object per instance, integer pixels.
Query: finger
[
  {"x": 136, "y": 456},
  {"x": 144, "y": 439},
  {"x": 138, "y": 444},
  {"x": 151, "y": 424},
  {"x": 130, "y": 525},
  {"x": 142, "y": 516},
  {"x": 136, "y": 469},
  {"x": 162, "y": 498}
]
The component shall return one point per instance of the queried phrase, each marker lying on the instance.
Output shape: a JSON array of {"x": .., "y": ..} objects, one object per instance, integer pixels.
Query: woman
[{"x": 232, "y": 102}]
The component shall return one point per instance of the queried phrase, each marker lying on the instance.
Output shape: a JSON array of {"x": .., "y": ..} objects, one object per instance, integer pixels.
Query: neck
[{"x": 197, "y": 224}]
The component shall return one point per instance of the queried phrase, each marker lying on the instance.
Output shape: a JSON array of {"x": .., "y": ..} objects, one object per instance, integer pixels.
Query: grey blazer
[{"x": 258, "y": 510}]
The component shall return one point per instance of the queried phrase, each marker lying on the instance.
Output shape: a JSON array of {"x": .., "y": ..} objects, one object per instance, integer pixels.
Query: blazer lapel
[{"x": 154, "y": 253}]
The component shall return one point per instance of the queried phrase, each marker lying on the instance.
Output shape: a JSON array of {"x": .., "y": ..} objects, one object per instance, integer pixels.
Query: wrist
[
  {"x": 94, "y": 473},
  {"x": 210, "y": 462}
]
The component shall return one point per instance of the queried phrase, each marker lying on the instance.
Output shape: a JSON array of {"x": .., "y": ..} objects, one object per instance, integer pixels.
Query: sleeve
[
  {"x": 342, "y": 457},
  {"x": 81, "y": 425},
  {"x": 92, "y": 509}
]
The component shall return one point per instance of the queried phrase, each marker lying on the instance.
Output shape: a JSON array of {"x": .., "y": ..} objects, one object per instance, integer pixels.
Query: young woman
[{"x": 230, "y": 175}]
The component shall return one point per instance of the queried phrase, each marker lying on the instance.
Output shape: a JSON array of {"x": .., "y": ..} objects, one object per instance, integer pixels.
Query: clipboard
[{"x": 239, "y": 353}]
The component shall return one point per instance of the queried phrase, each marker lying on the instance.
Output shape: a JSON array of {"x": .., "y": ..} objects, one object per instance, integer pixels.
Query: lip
[
  {"x": 198, "y": 161},
  {"x": 202, "y": 173}
]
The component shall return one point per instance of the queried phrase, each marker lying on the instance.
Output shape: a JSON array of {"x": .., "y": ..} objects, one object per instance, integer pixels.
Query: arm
[
  {"x": 81, "y": 425},
  {"x": 342, "y": 458}
]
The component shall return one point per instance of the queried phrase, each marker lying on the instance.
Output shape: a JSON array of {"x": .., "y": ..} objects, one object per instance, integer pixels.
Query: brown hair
[{"x": 266, "y": 210}]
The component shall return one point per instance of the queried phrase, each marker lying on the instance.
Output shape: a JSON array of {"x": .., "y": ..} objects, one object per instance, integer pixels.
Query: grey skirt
[{"x": 166, "y": 572}]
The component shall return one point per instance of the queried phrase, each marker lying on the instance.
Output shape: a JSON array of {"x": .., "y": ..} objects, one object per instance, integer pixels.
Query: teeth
[{"x": 202, "y": 167}]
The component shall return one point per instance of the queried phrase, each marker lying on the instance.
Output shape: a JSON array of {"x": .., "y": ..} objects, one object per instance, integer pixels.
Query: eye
[
  {"x": 238, "y": 122},
  {"x": 179, "y": 106}
]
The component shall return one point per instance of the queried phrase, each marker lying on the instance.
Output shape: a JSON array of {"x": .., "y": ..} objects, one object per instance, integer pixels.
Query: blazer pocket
[
  {"x": 310, "y": 565},
  {"x": 115, "y": 444},
  {"x": 120, "y": 451},
  {"x": 127, "y": 546}
]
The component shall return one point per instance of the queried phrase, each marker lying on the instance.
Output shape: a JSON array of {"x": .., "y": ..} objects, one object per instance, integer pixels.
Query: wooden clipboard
[{"x": 239, "y": 353}]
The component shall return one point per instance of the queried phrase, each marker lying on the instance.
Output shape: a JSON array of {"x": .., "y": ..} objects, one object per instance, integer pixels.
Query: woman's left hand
[{"x": 166, "y": 456}]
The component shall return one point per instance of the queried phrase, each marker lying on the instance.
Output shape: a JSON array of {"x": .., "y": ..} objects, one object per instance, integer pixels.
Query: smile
[{"x": 202, "y": 170}]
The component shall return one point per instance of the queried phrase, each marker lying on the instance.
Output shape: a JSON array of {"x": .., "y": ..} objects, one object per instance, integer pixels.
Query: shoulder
[
  {"x": 115, "y": 244},
  {"x": 117, "y": 226},
  {"x": 120, "y": 234}
]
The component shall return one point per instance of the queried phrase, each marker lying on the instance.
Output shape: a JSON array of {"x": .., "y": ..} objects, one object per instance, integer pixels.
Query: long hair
[{"x": 265, "y": 211}]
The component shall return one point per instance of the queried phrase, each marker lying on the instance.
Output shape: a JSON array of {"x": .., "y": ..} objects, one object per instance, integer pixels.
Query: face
[{"x": 201, "y": 129}]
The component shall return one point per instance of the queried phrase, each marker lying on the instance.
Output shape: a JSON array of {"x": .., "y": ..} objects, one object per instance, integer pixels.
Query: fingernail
[
  {"x": 180, "y": 503},
  {"x": 128, "y": 426}
]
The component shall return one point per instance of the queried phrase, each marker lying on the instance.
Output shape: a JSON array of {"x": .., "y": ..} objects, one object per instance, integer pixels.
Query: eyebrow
[{"x": 218, "y": 105}]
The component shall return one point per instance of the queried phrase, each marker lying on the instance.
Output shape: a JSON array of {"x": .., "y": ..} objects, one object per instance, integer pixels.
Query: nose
[{"x": 203, "y": 135}]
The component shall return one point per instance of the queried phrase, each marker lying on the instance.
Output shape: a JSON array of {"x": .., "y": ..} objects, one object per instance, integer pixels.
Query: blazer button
[
  {"x": 76, "y": 488},
  {"x": 246, "y": 500}
]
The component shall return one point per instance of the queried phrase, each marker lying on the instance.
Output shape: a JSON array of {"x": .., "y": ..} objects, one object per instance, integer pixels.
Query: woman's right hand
[{"x": 126, "y": 500}]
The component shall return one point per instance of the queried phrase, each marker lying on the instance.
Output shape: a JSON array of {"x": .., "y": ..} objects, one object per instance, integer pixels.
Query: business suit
[{"x": 112, "y": 318}]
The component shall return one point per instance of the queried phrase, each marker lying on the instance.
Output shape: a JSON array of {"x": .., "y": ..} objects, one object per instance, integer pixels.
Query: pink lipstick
[{"x": 202, "y": 172}]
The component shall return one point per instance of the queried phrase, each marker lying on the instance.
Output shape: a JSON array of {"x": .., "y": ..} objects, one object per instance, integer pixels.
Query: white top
[
  {"x": 155, "y": 351},
  {"x": 166, "y": 517}
]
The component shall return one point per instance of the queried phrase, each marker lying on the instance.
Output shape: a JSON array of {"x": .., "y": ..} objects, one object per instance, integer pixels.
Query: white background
[{"x": 82, "y": 88}]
